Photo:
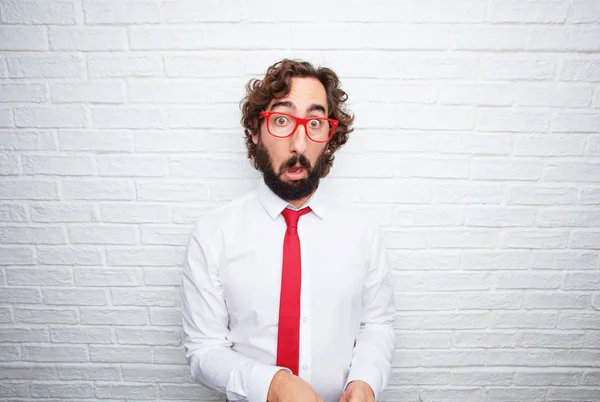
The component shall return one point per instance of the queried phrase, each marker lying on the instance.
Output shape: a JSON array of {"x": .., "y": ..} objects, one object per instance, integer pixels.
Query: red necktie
[{"x": 288, "y": 335}]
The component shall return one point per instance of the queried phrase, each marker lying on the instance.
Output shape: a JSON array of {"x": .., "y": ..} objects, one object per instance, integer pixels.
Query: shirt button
[
  {"x": 305, "y": 319},
  {"x": 305, "y": 367}
]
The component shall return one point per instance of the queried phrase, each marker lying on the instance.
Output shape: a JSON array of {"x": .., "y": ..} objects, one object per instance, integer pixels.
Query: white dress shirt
[{"x": 231, "y": 288}]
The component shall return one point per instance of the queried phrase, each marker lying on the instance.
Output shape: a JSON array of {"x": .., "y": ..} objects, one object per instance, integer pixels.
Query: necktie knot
[{"x": 291, "y": 216}]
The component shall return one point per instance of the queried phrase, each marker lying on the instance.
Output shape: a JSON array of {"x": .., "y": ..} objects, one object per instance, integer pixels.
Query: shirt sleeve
[
  {"x": 375, "y": 344},
  {"x": 213, "y": 363}
]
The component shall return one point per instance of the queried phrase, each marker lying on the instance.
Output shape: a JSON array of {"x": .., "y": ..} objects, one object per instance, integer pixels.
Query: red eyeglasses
[{"x": 282, "y": 125}]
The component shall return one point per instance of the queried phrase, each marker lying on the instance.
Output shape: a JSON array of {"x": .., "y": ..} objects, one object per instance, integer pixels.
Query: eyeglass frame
[{"x": 300, "y": 121}]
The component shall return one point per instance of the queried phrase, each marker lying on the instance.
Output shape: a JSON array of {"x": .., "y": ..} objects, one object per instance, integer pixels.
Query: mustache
[{"x": 293, "y": 161}]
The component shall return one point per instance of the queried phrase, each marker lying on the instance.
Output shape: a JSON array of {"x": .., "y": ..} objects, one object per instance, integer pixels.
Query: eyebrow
[{"x": 313, "y": 107}]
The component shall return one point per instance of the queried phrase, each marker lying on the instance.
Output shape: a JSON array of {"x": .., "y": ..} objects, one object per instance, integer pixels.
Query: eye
[
  {"x": 314, "y": 123},
  {"x": 281, "y": 120}
]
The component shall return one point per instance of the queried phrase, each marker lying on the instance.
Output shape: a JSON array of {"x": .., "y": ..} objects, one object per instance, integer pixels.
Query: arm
[
  {"x": 205, "y": 324},
  {"x": 375, "y": 346}
]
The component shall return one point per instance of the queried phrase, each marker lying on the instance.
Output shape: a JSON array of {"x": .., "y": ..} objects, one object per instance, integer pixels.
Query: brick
[
  {"x": 525, "y": 280},
  {"x": 187, "y": 11},
  {"x": 50, "y": 116},
  {"x": 6, "y": 117},
  {"x": 490, "y": 144},
  {"x": 589, "y": 378},
  {"x": 411, "y": 394},
  {"x": 169, "y": 355},
  {"x": 98, "y": 189},
  {"x": 490, "y": 301},
  {"x": 498, "y": 120},
  {"x": 441, "y": 358},
  {"x": 201, "y": 66},
  {"x": 9, "y": 164},
  {"x": 512, "y": 393},
  {"x": 69, "y": 256},
  {"x": 23, "y": 38},
  {"x": 213, "y": 117},
  {"x": 499, "y": 217},
  {"x": 580, "y": 70},
  {"x": 416, "y": 260},
  {"x": 130, "y": 117},
  {"x": 14, "y": 389},
  {"x": 46, "y": 316},
  {"x": 514, "y": 319},
  {"x": 551, "y": 376},
  {"x": 568, "y": 320},
  {"x": 528, "y": 195},
  {"x": 36, "y": 65},
  {"x": 403, "y": 358},
  {"x": 118, "y": 391},
  {"x": 37, "y": 276},
  {"x": 5, "y": 315},
  {"x": 456, "y": 321},
  {"x": 378, "y": 36},
  {"x": 171, "y": 191},
  {"x": 123, "y": 65},
  {"x": 62, "y": 390},
  {"x": 475, "y": 238},
  {"x": 103, "y": 234},
  {"x": 52, "y": 354},
  {"x": 96, "y": 372},
  {"x": 187, "y": 391},
  {"x": 572, "y": 394},
  {"x": 556, "y": 301},
  {"x": 553, "y": 95},
  {"x": 440, "y": 11},
  {"x": 26, "y": 140},
  {"x": 12, "y": 213},
  {"x": 427, "y": 167},
  {"x": 143, "y": 256},
  {"x": 429, "y": 216},
  {"x": 24, "y": 371},
  {"x": 581, "y": 281},
  {"x": 575, "y": 122},
  {"x": 80, "y": 335},
  {"x": 165, "y": 235},
  {"x": 213, "y": 167},
  {"x": 189, "y": 214},
  {"x": 121, "y": 316},
  {"x": 93, "y": 140},
  {"x": 174, "y": 141},
  {"x": 140, "y": 166},
  {"x": 108, "y": 277},
  {"x": 593, "y": 145},
  {"x": 517, "y": 68},
  {"x": 405, "y": 239},
  {"x": 551, "y": 340},
  {"x": 468, "y": 194},
  {"x": 63, "y": 12},
  {"x": 585, "y": 240},
  {"x": 16, "y": 256},
  {"x": 22, "y": 93},
  {"x": 63, "y": 212},
  {"x": 568, "y": 218},
  {"x": 589, "y": 196},
  {"x": 430, "y": 302},
  {"x": 9, "y": 353},
  {"x": 549, "y": 145},
  {"x": 519, "y": 358},
  {"x": 145, "y": 297},
  {"x": 536, "y": 239},
  {"x": 89, "y": 92},
  {"x": 154, "y": 373},
  {"x": 3, "y": 67},
  {"x": 488, "y": 94},
  {"x": 170, "y": 38},
  {"x": 448, "y": 281},
  {"x": 407, "y": 282},
  {"x": 58, "y": 165},
  {"x": 27, "y": 334},
  {"x": 482, "y": 376},
  {"x": 429, "y": 340},
  {"x": 563, "y": 38},
  {"x": 552, "y": 11},
  {"x": 568, "y": 260},
  {"x": 162, "y": 277},
  {"x": 87, "y": 38},
  {"x": 148, "y": 336},
  {"x": 577, "y": 358},
  {"x": 120, "y": 354},
  {"x": 452, "y": 394},
  {"x": 583, "y": 11},
  {"x": 412, "y": 117},
  {"x": 20, "y": 296},
  {"x": 485, "y": 339},
  {"x": 135, "y": 213},
  {"x": 228, "y": 190},
  {"x": 122, "y": 12},
  {"x": 75, "y": 297},
  {"x": 493, "y": 37}
]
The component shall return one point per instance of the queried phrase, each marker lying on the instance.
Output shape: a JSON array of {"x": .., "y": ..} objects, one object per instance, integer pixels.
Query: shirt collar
[{"x": 274, "y": 205}]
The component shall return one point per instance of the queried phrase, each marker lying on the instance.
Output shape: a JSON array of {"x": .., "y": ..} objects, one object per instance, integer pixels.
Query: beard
[{"x": 293, "y": 190}]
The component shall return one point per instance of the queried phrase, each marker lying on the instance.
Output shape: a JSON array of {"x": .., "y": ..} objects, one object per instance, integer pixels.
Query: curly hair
[{"x": 277, "y": 84}]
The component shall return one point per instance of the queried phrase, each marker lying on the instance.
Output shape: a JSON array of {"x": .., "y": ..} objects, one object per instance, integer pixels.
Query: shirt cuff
[
  {"x": 372, "y": 379},
  {"x": 260, "y": 379}
]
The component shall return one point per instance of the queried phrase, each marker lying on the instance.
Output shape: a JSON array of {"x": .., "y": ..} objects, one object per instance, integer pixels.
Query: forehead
[{"x": 305, "y": 91}]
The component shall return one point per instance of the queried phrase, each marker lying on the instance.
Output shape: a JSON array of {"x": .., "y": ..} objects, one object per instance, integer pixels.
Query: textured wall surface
[{"x": 477, "y": 147}]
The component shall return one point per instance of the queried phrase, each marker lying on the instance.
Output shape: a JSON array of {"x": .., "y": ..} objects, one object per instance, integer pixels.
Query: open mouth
[{"x": 295, "y": 173}]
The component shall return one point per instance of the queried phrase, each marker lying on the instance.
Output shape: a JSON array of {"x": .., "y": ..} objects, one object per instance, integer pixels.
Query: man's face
[{"x": 292, "y": 166}]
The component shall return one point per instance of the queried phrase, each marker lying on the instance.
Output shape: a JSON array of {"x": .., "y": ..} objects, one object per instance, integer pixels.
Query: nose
[{"x": 299, "y": 141}]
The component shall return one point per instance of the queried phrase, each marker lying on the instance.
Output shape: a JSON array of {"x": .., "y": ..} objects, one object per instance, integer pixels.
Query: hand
[
  {"x": 286, "y": 387},
  {"x": 358, "y": 391}
]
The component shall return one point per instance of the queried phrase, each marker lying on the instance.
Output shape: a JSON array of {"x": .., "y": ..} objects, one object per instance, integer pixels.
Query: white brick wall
[{"x": 477, "y": 148}]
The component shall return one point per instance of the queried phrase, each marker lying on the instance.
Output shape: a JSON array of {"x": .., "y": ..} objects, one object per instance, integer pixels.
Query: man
[{"x": 286, "y": 295}]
